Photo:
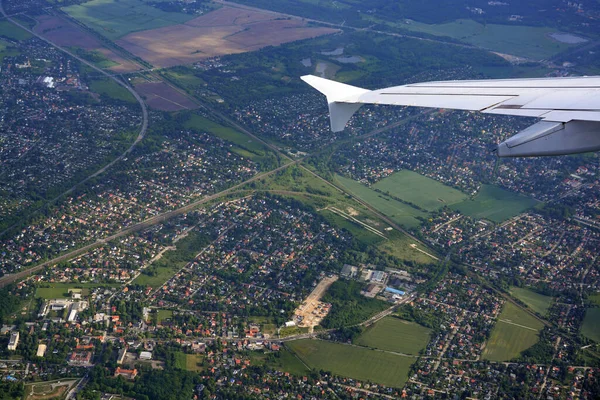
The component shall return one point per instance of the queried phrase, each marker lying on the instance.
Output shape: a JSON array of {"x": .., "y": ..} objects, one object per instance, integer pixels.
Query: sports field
[
  {"x": 188, "y": 362},
  {"x": 415, "y": 188},
  {"x": 515, "y": 332},
  {"x": 495, "y": 204},
  {"x": 394, "y": 334},
  {"x": 591, "y": 324},
  {"x": 537, "y": 302},
  {"x": 116, "y": 18},
  {"x": 353, "y": 362},
  {"x": 401, "y": 213}
]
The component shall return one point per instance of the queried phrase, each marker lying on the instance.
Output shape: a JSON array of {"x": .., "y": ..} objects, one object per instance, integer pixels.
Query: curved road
[{"x": 143, "y": 128}]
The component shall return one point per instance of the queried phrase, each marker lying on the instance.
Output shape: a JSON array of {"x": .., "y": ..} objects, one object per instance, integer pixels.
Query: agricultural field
[
  {"x": 415, "y": 188},
  {"x": 591, "y": 324},
  {"x": 515, "y": 332},
  {"x": 10, "y": 31},
  {"x": 160, "y": 96},
  {"x": 188, "y": 362},
  {"x": 401, "y": 213},
  {"x": 111, "y": 89},
  {"x": 522, "y": 41},
  {"x": 353, "y": 362},
  {"x": 117, "y": 18},
  {"x": 495, "y": 204},
  {"x": 283, "y": 360},
  {"x": 394, "y": 334},
  {"x": 220, "y": 32},
  {"x": 537, "y": 302}
]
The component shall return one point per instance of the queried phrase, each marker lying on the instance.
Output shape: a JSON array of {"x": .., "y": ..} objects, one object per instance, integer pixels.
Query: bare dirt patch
[
  {"x": 220, "y": 32},
  {"x": 64, "y": 33},
  {"x": 312, "y": 311},
  {"x": 163, "y": 97}
]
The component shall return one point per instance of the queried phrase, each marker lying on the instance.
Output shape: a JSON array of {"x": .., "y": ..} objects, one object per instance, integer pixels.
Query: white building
[{"x": 14, "y": 341}]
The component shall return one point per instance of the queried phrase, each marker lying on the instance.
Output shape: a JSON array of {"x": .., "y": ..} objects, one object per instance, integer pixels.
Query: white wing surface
[{"x": 569, "y": 108}]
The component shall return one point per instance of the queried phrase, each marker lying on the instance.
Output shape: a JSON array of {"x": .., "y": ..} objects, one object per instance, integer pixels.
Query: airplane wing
[{"x": 569, "y": 108}]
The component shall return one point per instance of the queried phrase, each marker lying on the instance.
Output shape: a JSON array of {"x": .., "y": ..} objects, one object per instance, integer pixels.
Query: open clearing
[
  {"x": 591, "y": 324},
  {"x": 48, "y": 390},
  {"x": 111, "y": 89},
  {"x": 537, "y": 302},
  {"x": 353, "y": 362},
  {"x": 401, "y": 213},
  {"x": 116, "y": 18},
  {"x": 188, "y": 362},
  {"x": 163, "y": 97},
  {"x": 495, "y": 204},
  {"x": 217, "y": 33},
  {"x": 415, "y": 188},
  {"x": 394, "y": 334},
  {"x": 523, "y": 41},
  {"x": 10, "y": 31},
  {"x": 515, "y": 332}
]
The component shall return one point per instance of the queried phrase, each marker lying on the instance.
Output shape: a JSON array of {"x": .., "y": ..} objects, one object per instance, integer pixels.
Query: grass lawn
[
  {"x": 595, "y": 298},
  {"x": 495, "y": 204},
  {"x": 163, "y": 315},
  {"x": 353, "y": 362},
  {"x": 246, "y": 146},
  {"x": 415, "y": 188},
  {"x": 11, "y": 31},
  {"x": 394, "y": 334},
  {"x": 399, "y": 246},
  {"x": 188, "y": 362},
  {"x": 117, "y": 18},
  {"x": 523, "y": 41},
  {"x": 111, "y": 89},
  {"x": 591, "y": 324},
  {"x": 60, "y": 290},
  {"x": 357, "y": 230},
  {"x": 515, "y": 332},
  {"x": 162, "y": 273},
  {"x": 283, "y": 360},
  {"x": 401, "y": 213},
  {"x": 537, "y": 302}
]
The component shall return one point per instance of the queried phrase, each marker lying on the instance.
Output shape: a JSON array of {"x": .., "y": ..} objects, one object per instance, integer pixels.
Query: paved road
[{"x": 143, "y": 127}]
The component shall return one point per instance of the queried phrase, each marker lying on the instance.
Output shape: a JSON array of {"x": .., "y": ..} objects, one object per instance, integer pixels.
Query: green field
[
  {"x": 515, "y": 332},
  {"x": 188, "y": 362},
  {"x": 415, "y": 188},
  {"x": 11, "y": 31},
  {"x": 591, "y": 324},
  {"x": 117, "y": 18},
  {"x": 162, "y": 273},
  {"x": 111, "y": 89},
  {"x": 245, "y": 145},
  {"x": 163, "y": 315},
  {"x": 400, "y": 213},
  {"x": 283, "y": 360},
  {"x": 524, "y": 41},
  {"x": 394, "y": 334},
  {"x": 495, "y": 204},
  {"x": 353, "y": 362},
  {"x": 400, "y": 245},
  {"x": 537, "y": 302},
  {"x": 595, "y": 298},
  {"x": 61, "y": 290}
]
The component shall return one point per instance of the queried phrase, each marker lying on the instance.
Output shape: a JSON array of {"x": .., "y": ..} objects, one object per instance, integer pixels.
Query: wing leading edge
[{"x": 569, "y": 108}]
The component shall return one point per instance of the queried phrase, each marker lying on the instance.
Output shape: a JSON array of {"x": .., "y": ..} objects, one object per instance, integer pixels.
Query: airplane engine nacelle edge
[{"x": 547, "y": 138}]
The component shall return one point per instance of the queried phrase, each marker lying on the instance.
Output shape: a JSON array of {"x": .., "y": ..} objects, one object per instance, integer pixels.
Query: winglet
[{"x": 343, "y": 100}]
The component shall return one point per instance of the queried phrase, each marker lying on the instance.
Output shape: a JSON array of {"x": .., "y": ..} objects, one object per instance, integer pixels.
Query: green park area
[
  {"x": 420, "y": 190},
  {"x": 245, "y": 146},
  {"x": 188, "y": 362},
  {"x": 537, "y": 302},
  {"x": 117, "y": 18},
  {"x": 395, "y": 334},
  {"x": 283, "y": 360},
  {"x": 112, "y": 89},
  {"x": 353, "y": 361},
  {"x": 10, "y": 31},
  {"x": 399, "y": 212},
  {"x": 515, "y": 332},
  {"x": 591, "y": 324},
  {"x": 495, "y": 204},
  {"x": 60, "y": 290}
]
